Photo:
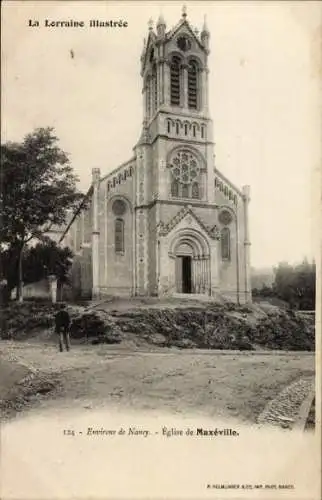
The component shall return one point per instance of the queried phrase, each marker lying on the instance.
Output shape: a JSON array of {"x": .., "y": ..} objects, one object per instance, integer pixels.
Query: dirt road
[
  {"x": 212, "y": 383},
  {"x": 123, "y": 425}
]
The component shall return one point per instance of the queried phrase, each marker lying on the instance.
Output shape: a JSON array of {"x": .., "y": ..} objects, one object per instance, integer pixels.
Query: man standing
[{"x": 62, "y": 322}]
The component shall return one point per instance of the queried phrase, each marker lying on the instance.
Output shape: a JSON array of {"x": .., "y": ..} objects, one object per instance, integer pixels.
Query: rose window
[
  {"x": 185, "y": 175},
  {"x": 184, "y": 167},
  {"x": 225, "y": 217}
]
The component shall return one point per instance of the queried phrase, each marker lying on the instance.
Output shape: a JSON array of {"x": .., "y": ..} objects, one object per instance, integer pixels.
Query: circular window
[
  {"x": 225, "y": 217},
  {"x": 183, "y": 43},
  {"x": 184, "y": 167},
  {"x": 118, "y": 207}
]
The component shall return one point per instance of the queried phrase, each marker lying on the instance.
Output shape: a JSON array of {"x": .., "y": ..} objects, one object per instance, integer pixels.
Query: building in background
[{"x": 167, "y": 221}]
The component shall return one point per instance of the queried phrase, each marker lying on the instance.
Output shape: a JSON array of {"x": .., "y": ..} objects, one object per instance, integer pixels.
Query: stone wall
[{"x": 116, "y": 268}]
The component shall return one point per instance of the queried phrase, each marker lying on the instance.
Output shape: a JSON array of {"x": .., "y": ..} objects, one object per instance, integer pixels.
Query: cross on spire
[
  {"x": 184, "y": 11},
  {"x": 150, "y": 24}
]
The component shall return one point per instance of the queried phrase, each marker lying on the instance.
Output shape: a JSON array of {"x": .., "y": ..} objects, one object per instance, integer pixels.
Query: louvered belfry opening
[
  {"x": 175, "y": 81},
  {"x": 155, "y": 87},
  {"x": 193, "y": 85}
]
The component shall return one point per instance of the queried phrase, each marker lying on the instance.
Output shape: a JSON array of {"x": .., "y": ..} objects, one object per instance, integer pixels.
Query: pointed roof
[
  {"x": 161, "y": 21},
  {"x": 205, "y": 26},
  {"x": 184, "y": 23}
]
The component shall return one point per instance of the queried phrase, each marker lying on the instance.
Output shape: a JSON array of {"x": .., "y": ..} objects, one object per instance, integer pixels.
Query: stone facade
[{"x": 167, "y": 221}]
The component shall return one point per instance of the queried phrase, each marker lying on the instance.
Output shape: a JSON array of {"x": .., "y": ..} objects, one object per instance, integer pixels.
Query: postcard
[{"x": 161, "y": 250}]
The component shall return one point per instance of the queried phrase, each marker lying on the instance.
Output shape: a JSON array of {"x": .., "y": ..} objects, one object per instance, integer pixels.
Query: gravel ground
[{"x": 283, "y": 410}]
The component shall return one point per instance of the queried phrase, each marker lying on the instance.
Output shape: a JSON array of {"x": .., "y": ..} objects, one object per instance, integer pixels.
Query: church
[{"x": 166, "y": 222}]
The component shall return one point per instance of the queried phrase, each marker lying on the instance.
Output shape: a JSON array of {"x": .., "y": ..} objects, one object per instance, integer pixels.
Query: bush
[
  {"x": 91, "y": 325},
  {"x": 18, "y": 319}
]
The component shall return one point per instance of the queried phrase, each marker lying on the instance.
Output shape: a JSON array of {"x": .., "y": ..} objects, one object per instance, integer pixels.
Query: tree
[
  {"x": 296, "y": 284},
  {"x": 38, "y": 189}
]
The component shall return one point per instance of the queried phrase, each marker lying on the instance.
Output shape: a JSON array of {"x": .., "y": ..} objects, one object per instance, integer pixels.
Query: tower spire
[
  {"x": 184, "y": 12},
  {"x": 161, "y": 25},
  {"x": 205, "y": 27},
  {"x": 161, "y": 20},
  {"x": 205, "y": 34}
]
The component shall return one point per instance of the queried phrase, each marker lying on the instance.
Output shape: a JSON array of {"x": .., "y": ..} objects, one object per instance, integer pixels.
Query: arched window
[
  {"x": 175, "y": 81},
  {"x": 195, "y": 191},
  {"x": 202, "y": 131},
  {"x": 225, "y": 243},
  {"x": 185, "y": 129},
  {"x": 194, "y": 130},
  {"x": 177, "y": 128},
  {"x": 119, "y": 235},
  {"x": 175, "y": 188},
  {"x": 169, "y": 126},
  {"x": 193, "y": 85}
]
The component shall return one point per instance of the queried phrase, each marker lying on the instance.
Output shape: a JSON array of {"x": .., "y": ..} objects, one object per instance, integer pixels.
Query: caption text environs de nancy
[{"x": 71, "y": 23}]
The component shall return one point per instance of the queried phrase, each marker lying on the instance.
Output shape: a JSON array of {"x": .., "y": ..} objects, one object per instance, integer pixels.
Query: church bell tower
[{"x": 176, "y": 122}]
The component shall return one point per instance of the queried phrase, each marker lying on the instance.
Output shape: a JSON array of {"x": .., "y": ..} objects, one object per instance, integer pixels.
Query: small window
[
  {"x": 169, "y": 127},
  {"x": 194, "y": 130},
  {"x": 185, "y": 191},
  {"x": 185, "y": 129},
  {"x": 177, "y": 128},
  {"x": 195, "y": 191},
  {"x": 202, "y": 132},
  {"x": 175, "y": 188},
  {"x": 119, "y": 236},
  {"x": 225, "y": 243}
]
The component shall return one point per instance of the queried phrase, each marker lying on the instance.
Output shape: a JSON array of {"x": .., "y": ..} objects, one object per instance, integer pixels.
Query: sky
[{"x": 265, "y": 98}]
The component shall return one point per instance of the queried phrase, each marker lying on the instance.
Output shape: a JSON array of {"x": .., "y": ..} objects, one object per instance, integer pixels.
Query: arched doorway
[
  {"x": 192, "y": 262},
  {"x": 184, "y": 257}
]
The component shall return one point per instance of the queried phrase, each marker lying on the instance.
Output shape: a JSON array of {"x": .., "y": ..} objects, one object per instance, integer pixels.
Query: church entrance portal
[{"x": 192, "y": 263}]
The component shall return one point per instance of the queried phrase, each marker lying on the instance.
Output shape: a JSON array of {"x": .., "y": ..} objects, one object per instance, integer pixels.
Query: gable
[
  {"x": 184, "y": 28},
  {"x": 186, "y": 218}
]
